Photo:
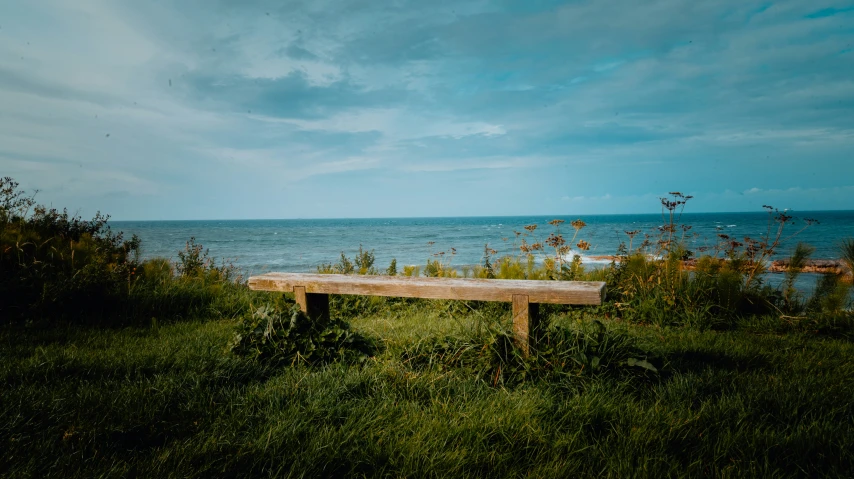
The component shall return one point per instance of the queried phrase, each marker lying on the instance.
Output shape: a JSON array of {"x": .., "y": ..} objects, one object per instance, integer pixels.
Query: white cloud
[
  {"x": 395, "y": 124},
  {"x": 605, "y": 197},
  {"x": 629, "y": 96},
  {"x": 477, "y": 163},
  {"x": 288, "y": 165}
]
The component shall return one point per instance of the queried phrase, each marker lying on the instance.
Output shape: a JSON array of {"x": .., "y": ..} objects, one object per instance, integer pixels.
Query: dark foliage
[
  {"x": 57, "y": 267},
  {"x": 283, "y": 333}
]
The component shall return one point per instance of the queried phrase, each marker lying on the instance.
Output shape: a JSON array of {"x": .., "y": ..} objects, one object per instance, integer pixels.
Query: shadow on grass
[
  {"x": 213, "y": 373},
  {"x": 699, "y": 360}
]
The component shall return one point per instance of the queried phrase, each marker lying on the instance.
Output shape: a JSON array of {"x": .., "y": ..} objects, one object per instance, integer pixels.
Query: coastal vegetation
[
  {"x": 115, "y": 365},
  {"x": 57, "y": 267}
]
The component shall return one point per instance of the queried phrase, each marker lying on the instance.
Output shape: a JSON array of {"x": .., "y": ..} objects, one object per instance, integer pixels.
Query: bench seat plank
[{"x": 470, "y": 289}]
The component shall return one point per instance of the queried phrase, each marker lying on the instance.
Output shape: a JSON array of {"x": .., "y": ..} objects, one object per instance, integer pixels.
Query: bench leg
[
  {"x": 525, "y": 323},
  {"x": 314, "y": 305}
]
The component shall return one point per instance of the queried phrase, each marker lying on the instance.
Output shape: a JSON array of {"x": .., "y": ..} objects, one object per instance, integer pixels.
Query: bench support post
[
  {"x": 525, "y": 323},
  {"x": 314, "y": 305}
]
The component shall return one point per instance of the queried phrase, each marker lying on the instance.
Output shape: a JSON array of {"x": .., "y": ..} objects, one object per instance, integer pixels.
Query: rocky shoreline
[
  {"x": 816, "y": 266},
  {"x": 819, "y": 266}
]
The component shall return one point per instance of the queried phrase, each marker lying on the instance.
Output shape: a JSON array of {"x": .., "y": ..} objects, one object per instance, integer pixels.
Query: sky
[{"x": 211, "y": 109}]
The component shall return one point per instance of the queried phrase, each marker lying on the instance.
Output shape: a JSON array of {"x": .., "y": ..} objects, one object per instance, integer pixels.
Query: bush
[
  {"x": 562, "y": 356},
  {"x": 363, "y": 263},
  {"x": 660, "y": 281},
  {"x": 283, "y": 333},
  {"x": 59, "y": 267}
]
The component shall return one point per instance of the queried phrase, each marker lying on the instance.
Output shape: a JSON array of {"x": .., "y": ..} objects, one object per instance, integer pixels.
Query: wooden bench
[{"x": 312, "y": 293}]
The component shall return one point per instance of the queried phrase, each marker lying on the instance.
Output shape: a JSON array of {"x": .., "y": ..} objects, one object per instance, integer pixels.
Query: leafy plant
[
  {"x": 286, "y": 334},
  {"x": 562, "y": 355},
  {"x": 53, "y": 264},
  {"x": 487, "y": 269},
  {"x": 362, "y": 263},
  {"x": 193, "y": 260}
]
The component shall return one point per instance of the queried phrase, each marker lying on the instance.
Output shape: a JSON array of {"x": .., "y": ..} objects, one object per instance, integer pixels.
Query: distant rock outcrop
[
  {"x": 822, "y": 266},
  {"x": 817, "y": 266}
]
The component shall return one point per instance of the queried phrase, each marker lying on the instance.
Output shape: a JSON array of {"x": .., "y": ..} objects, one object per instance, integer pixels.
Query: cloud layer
[{"x": 259, "y": 109}]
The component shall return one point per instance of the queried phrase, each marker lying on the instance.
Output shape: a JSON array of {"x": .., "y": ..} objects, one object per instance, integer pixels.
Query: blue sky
[{"x": 269, "y": 109}]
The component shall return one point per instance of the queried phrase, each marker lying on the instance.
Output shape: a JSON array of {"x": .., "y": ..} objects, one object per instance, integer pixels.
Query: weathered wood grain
[
  {"x": 526, "y": 326},
  {"x": 312, "y": 291},
  {"x": 314, "y": 305},
  {"x": 553, "y": 292}
]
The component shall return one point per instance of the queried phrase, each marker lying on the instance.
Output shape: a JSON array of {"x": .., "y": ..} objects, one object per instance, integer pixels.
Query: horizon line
[{"x": 790, "y": 210}]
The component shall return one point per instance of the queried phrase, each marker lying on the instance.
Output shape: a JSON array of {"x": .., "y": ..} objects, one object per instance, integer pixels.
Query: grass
[
  {"x": 170, "y": 401},
  {"x": 112, "y": 366}
]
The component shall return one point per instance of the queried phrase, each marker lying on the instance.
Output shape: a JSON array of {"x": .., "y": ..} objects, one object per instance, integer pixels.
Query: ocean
[{"x": 300, "y": 245}]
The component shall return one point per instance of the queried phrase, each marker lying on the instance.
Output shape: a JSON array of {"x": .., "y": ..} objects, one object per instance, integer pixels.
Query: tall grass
[
  {"x": 169, "y": 401},
  {"x": 846, "y": 250},
  {"x": 57, "y": 267},
  {"x": 659, "y": 282},
  {"x": 685, "y": 372}
]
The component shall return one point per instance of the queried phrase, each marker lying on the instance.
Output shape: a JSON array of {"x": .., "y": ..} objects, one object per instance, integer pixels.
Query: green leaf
[{"x": 641, "y": 363}]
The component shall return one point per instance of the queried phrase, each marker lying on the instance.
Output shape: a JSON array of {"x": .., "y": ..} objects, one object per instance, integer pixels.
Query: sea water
[{"x": 300, "y": 245}]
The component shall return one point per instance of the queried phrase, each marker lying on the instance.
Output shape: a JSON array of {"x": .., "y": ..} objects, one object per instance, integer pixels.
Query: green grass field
[
  {"x": 170, "y": 401},
  {"x": 111, "y": 366}
]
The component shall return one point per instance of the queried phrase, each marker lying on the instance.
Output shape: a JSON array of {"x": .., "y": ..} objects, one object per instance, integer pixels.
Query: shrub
[
  {"x": 283, "y": 333},
  {"x": 58, "y": 265},
  {"x": 193, "y": 260},
  {"x": 157, "y": 271},
  {"x": 653, "y": 283},
  {"x": 437, "y": 269},
  {"x": 562, "y": 356}
]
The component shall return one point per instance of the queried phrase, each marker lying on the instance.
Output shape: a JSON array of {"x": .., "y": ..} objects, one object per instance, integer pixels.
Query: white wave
[{"x": 585, "y": 259}]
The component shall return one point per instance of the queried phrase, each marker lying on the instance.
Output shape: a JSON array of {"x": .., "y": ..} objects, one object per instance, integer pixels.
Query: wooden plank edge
[{"x": 588, "y": 297}]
